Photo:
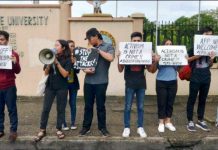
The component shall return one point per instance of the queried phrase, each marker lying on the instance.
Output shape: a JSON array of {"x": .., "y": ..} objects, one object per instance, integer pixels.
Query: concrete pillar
[
  {"x": 138, "y": 19},
  {"x": 65, "y": 14}
]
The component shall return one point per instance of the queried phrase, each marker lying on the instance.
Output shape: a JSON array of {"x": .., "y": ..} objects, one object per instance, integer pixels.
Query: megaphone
[{"x": 47, "y": 56}]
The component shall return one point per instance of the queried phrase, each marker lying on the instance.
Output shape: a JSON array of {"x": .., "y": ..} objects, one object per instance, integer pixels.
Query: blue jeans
[
  {"x": 129, "y": 95},
  {"x": 8, "y": 97},
  {"x": 72, "y": 103}
]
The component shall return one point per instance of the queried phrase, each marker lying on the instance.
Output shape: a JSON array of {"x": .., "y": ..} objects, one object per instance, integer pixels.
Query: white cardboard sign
[
  {"x": 5, "y": 54},
  {"x": 172, "y": 55},
  {"x": 205, "y": 44},
  {"x": 135, "y": 53}
]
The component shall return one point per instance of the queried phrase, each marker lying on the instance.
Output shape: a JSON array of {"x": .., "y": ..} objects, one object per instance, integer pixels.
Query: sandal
[
  {"x": 40, "y": 136},
  {"x": 2, "y": 134},
  {"x": 60, "y": 134}
]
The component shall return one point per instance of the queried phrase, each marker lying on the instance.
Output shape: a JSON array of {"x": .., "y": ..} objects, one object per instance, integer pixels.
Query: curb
[{"x": 108, "y": 143}]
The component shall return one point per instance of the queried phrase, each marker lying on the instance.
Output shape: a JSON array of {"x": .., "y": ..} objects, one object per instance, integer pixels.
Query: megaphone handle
[{"x": 54, "y": 68}]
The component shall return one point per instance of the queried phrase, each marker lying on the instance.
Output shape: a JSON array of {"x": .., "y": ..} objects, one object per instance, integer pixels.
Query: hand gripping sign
[
  {"x": 86, "y": 58},
  {"x": 5, "y": 54}
]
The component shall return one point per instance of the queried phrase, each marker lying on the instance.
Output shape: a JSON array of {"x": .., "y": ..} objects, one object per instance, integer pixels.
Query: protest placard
[
  {"x": 86, "y": 58},
  {"x": 205, "y": 44},
  {"x": 5, "y": 54},
  {"x": 135, "y": 53},
  {"x": 172, "y": 55}
]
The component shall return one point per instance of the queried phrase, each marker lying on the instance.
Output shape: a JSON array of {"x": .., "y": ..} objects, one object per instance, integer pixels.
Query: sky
[{"x": 168, "y": 10}]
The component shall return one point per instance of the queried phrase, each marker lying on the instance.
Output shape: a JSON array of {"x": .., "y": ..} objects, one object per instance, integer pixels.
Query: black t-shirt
[
  {"x": 135, "y": 77},
  {"x": 55, "y": 80}
]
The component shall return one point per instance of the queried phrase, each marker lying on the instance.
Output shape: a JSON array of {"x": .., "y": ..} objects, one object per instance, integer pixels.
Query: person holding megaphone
[{"x": 56, "y": 86}]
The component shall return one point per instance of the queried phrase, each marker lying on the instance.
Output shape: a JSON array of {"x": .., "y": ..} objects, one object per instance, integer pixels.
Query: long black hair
[{"x": 65, "y": 45}]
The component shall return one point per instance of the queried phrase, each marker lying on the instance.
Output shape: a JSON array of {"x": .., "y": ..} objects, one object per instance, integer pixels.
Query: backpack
[{"x": 185, "y": 73}]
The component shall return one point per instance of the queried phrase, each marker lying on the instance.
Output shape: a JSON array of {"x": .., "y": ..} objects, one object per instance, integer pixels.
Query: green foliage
[{"x": 180, "y": 31}]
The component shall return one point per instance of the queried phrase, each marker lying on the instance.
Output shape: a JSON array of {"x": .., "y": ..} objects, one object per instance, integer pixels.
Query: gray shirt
[{"x": 101, "y": 71}]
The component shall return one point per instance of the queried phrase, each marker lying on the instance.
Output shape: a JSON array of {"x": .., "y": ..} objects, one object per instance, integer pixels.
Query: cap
[{"x": 91, "y": 32}]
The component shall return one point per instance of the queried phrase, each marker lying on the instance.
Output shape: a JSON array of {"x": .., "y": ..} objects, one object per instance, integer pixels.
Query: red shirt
[{"x": 7, "y": 77}]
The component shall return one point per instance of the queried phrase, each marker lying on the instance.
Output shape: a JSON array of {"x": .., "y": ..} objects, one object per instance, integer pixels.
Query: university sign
[
  {"x": 18, "y": 21},
  {"x": 7, "y": 21}
]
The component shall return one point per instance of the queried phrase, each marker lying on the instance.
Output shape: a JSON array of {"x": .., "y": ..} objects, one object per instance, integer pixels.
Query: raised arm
[
  {"x": 64, "y": 70},
  {"x": 120, "y": 67},
  {"x": 153, "y": 67},
  {"x": 15, "y": 63},
  {"x": 109, "y": 55}
]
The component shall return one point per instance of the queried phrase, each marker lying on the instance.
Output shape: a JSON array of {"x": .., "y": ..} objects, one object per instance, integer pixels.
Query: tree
[{"x": 181, "y": 31}]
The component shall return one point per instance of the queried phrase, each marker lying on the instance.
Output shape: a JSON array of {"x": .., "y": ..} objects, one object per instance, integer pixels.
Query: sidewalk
[{"x": 29, "y": 110}]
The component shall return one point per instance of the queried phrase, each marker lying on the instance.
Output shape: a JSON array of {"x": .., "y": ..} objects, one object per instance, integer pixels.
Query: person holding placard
[
  {"x": 166, "y": 88},
  {"x": 8, "y": 90},
  {"x": 96, "y": 82},
  {"x": 73, "y": 87},
  {"x": 56, "y": 86},
  {"x": 199, "y": 83},
  {"x": 135, "y": 85}
]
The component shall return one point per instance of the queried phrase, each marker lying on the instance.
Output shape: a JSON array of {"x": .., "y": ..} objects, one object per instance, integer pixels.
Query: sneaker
[
  {"x": 84, "y": 131},
  {"x": 73, "y": 127},
  {"x": 105, "y": 132},
  {"x": 126, "y": 132},
  {"x": 161, "y": 127},
  {"x": 141, "y": 132},
  {"x": 202, "y": 125},
  {"x": 65, "y": 128},
  {"x": 191, "y": 126},
  {"x": 170, "y": 126}
]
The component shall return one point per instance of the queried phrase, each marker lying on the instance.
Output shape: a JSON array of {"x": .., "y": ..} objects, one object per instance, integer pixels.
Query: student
[
  {"x": 135, "y": 85},
  {"x": 56, "y": 86},
  {"x": 8, "y": 91},
  {"x": 73, "y": 87},
  {"x": 199, "y": 83},
  {"x": 96, "y": 82},
  {"x": 166, "y": 89}
]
